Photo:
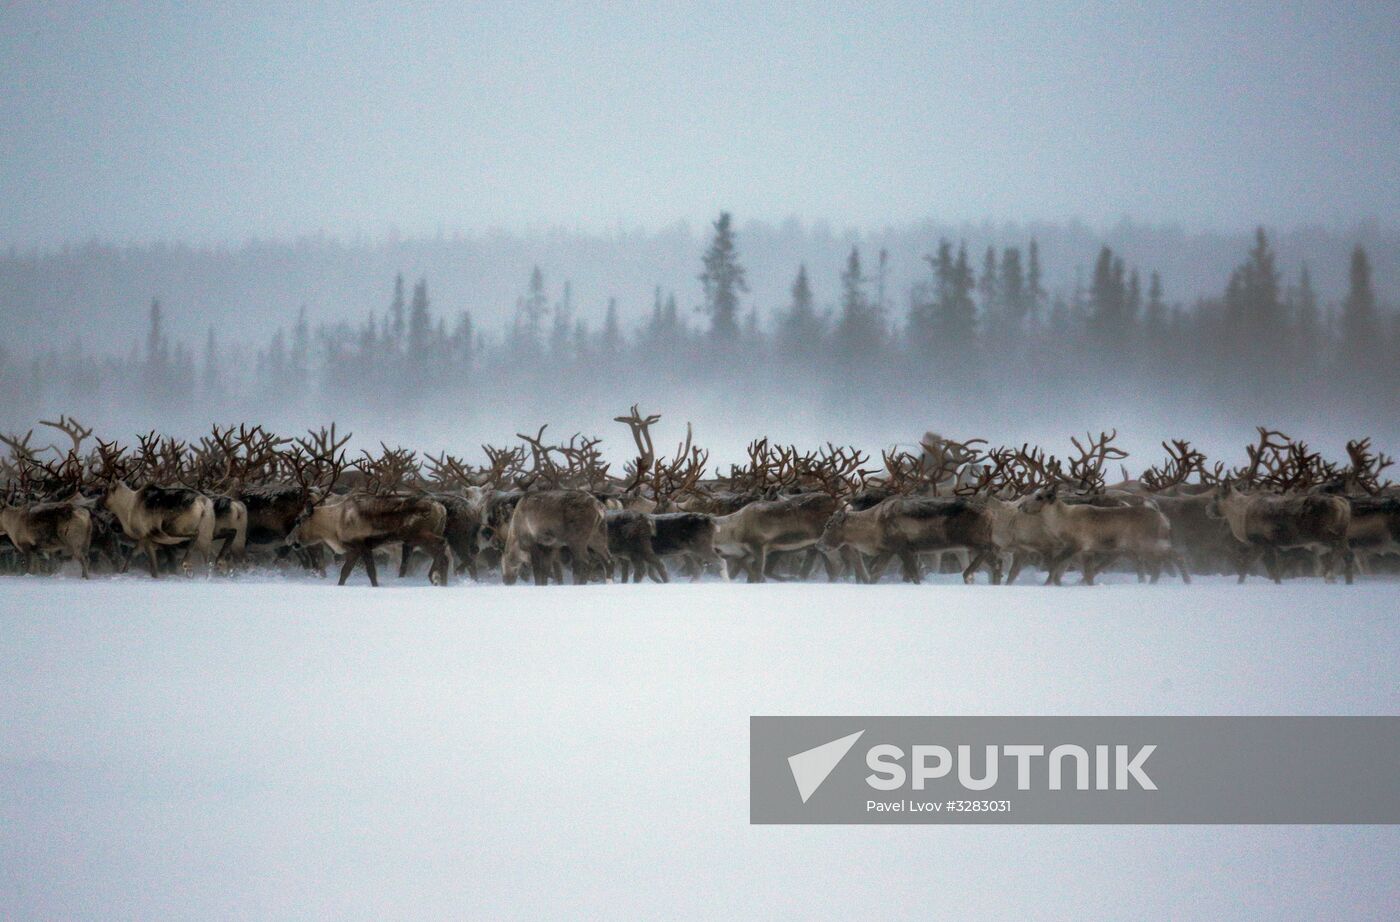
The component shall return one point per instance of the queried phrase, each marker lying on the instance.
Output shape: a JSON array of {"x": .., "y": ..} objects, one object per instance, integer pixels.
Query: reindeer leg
[
  {"x": 1017, "y": 562},
  {"x": 995, "y": 564},
  {"x": 775, "y": 560},
  {"x": 1058, "y": 565},
  {"x": 969, "y": 574},
  {"x": 909, "y": 566},
  {"x": 371, "y": 567},
  {"x": 406, "y": 559},
  {"x": 757, "y": 562},
  {"x": 656, "y": 570},
  {"x": 441, "y": 567},
  {"x": 352, "y": 556},
  {"x": 723, "y": 563},
  {"x": 1244, "y": 560},
  {"x": 833, "y": 561},
  {"x": 856, "y": 560},
  {"x": 1181, "y": 568},
  {"x": 149, "y": 549}
]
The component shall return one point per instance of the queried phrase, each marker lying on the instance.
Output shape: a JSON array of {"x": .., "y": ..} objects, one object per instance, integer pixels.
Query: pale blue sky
[{"x": 204, "y": 122}]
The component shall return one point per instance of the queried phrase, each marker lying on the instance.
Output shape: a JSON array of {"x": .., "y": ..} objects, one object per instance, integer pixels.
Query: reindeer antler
[
  {"x": 1366, "y": 467},
  {"x": 1088, "y": 467},
  {"x": 641, "y": 434}
]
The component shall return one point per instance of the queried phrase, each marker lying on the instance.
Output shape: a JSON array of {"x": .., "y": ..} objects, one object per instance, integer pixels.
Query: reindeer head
[
  {"x": 1036, "y": 502},
  {"x": 834, "y": 532}
]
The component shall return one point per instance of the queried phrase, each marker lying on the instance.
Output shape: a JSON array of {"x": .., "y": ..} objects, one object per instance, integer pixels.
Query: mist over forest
[{"x": 1010, "y": 333}]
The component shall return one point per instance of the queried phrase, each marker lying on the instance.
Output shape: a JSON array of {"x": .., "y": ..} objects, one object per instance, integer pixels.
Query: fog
[
  {"x": 994, "y": 337},
  {"x": 265, "y": 177}
]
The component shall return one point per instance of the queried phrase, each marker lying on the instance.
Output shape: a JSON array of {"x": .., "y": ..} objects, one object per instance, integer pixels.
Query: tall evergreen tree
[
  {"x": 1108, "y": 301},
  {"x": 530, "y": 313},
  {"x": 1035, "y": 291},
  {"x": 723, "y": 280},
  {"x": 858, "y": 332},
  {"x": 301, "y": 348},
  {"x": 612, "y": 329},
  {"x": 988, "y": 286},
  {"x": 212, "y": 384},
  {"x": 562, "y": 328},
  {"x": 1360, "y": 324},
  {"x": 396, "y": 312},
  {"x": 1155, "y": 319},
  {"x": 800, "y": 330},
  {"x": 957, "y": 311},
  {"x": 420, "y": 325},
  {"x": 1014, "y": 296},
  {"x": 155, "y": 336}
]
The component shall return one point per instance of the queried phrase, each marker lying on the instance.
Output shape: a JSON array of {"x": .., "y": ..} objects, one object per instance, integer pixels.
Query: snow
[{"x": 283, "y": 748}]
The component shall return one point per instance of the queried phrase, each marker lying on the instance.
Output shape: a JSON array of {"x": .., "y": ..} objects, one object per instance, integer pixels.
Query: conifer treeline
[{"x": 967, "y": 332}]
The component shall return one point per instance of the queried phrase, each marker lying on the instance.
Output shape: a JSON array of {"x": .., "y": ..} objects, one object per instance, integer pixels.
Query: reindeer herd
[{"x": 244, "y": 497}]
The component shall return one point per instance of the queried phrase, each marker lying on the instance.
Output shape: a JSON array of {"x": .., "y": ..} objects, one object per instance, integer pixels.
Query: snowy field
[{"x": 287, "y": 749}]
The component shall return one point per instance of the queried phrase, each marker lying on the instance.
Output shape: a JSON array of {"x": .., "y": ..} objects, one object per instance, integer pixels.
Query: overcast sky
[{"x": 192, "y": 121}]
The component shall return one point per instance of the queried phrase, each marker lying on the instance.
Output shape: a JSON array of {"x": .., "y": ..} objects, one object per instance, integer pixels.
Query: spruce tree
[
  {"x": 858, "y": 332},
  {"x": 723, "y": 280},
  {"x": 396, "y": 313},
  {"x": 800, "y": 331},
  {"x": 1035, "y": 291},
  {"x": 987, "y": 286},
  {"x": 1359, "y": 322},
  {"x": 1014, "y": 296},
  {"x": 419, "y": 322}
]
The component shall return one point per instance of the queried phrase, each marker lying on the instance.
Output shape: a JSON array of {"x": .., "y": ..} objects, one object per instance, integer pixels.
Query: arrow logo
[{"x": 811, "y": 768}]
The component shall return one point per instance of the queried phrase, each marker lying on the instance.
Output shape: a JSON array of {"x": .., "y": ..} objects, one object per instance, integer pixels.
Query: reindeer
[
  {"x": 630, "y": 537},
  {"x": 1022, "y": 535},
  {"x": 1374, "y": 530},
  {"x": 747, "y": 537},
  {"x": 547, "y": 521},
  {"x": 862, "y": 526},
  {"x": 858, "y": 530},
  {"x": 461, "y": 531},
  {"x": 1267, "y": 524},
  {"x": 43, "y": 528},
  {"x": 689, "y": 536},
  {"x": 293, "y": 479},
  {"x": 356, "y": 524},
  {"x": 905, "y": 526},
  {"x": 155, "y": 516},
  {"x": 1097, "y": 534}
]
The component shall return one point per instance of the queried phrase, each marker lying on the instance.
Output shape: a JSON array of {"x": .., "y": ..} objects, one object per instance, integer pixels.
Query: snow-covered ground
[{"x": 267, "y": 748}]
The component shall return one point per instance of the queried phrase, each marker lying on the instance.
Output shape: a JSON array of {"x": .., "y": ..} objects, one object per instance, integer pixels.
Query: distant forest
[{"x": 995, "y": 327}]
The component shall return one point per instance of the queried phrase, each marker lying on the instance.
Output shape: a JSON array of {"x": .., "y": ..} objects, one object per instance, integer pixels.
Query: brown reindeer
[
  {"x": 902, "y": 527},
  {"x": 43, "y": 528},
  {"x": 356, "y": 524},
  {"x": 748, "y": 537},
  {"x": 548, "y": 521},
  {"x": 1266, "y": 524},
  {"x": 1097, "y": 534}
]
